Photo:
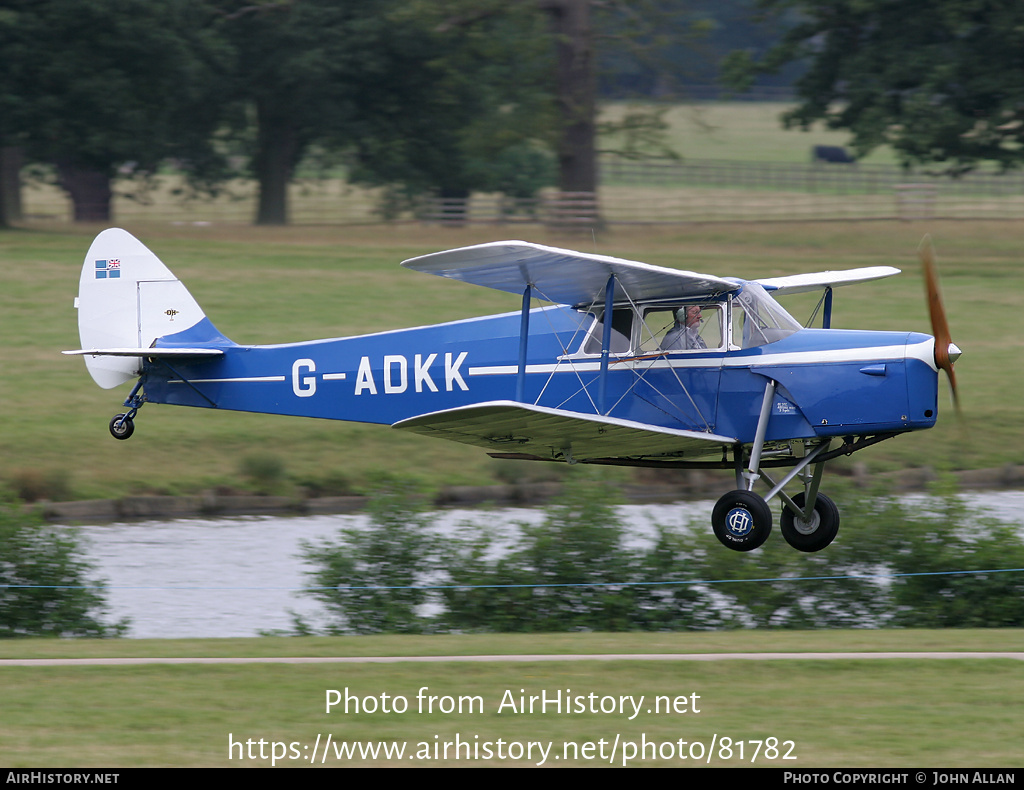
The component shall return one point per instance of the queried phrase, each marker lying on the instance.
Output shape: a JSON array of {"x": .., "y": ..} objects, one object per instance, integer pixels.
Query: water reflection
[{"x": 238, "y": 577}]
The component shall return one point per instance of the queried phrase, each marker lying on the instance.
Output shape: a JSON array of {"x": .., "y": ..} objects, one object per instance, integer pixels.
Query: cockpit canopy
[
  {"x": 745, "y": 318},
  {"x": 760, "y": 319}
]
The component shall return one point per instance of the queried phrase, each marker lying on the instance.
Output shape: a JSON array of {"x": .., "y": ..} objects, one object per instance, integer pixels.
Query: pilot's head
[{"x": 689, "y": 315}]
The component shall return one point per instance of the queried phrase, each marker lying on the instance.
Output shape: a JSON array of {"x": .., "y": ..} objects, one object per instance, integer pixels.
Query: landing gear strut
[{"x": 742, "y": 519}]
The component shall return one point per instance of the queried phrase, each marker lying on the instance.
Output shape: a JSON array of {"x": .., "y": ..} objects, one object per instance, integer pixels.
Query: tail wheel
[
  {"x": 815, "y": 532},
  {"x": 742, "y": 520},
  {"x": 122, "y": 426}
]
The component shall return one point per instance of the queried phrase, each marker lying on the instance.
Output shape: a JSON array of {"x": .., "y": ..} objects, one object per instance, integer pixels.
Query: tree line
[
  {"x": 447, "y": 96},
  {"x": 94, "y": 88},
  {"x": 455, "y": 96}
]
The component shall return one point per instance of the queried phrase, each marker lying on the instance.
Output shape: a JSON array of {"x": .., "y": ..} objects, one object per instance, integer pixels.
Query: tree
[
  {"x": 411, "y": 94},
  {"x": 461, "y": 103},
  {"x": 368, "y": 580},
  {"x": 11, "y": 153},
  {"x": 482, "y": 91},
  {"x": 45, "y": 589},
  {"x": 682, "y": 47},
  {"x": 297, "y": 68},
  {"x": 953, "y": 566},
  {"x": 98, "y": 85},
  {"x": 444, "y": 97},
  {"x": 10, "y": 184},
  {"x": 573, "y": 39},
  {"x": 939, "y": 87},
  {"x": 572, "y": 572}
]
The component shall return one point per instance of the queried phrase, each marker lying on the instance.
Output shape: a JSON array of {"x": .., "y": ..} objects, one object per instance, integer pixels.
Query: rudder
[{"x": 127, "y": 298}]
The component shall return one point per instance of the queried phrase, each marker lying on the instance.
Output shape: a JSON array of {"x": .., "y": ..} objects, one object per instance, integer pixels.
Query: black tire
[
  {"x": 742, "y": 520},
  {"x": 817, "y": 532},
  {"x": 122, "y": 427}
]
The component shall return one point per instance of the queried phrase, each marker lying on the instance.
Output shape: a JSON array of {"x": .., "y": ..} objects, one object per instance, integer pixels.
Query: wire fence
[
  {"x": 708, "y": 190},
  {"x": 631, "y": 192}
]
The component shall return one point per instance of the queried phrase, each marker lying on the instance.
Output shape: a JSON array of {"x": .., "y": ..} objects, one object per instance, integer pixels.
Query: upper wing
[
  {"x": 799, "y": 283},
  {"x": 560, "y": 434},
  {"x": 564, "y": 276}
]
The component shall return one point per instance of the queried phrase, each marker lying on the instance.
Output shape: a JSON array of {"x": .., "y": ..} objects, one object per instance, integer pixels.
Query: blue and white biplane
[{"x": 630, "y": 364}]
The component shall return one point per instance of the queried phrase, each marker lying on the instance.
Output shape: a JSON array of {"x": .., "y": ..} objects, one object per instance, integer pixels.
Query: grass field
[
  {"x": 837, "y": 713},
  {"x": 266, "y": 285},
  {"x": 741, "y": 131}
]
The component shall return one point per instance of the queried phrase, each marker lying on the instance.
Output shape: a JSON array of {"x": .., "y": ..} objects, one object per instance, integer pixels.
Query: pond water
[{"x": 241, "y": 576}]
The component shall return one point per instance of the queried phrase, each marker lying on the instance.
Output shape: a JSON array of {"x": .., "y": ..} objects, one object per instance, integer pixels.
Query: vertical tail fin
[{"x": 127, "y": 299}]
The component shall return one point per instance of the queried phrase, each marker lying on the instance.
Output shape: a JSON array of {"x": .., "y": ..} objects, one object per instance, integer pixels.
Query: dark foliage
[
  {"x": 928, "y": 562},
  {"x": 45, "y": 584}
]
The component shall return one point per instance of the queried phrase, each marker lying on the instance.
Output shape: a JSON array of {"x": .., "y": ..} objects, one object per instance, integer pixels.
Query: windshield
[{"x": 760, "y": 319}]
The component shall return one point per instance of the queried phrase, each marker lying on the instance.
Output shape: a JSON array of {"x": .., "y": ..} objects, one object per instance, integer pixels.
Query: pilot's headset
[{"x": 682, "y": 311}]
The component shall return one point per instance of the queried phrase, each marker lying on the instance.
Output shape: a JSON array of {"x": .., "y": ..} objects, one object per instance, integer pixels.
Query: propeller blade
[{"x": 937, "y": 314}]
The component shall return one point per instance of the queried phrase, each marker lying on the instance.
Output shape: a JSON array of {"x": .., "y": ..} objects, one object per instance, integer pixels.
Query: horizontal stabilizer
[
  {"x": 565, "y": 276},
  {"x": 800, "y": 283},
  {"x": 155, "y": 353},
  {"x": 566, "y": 435}
]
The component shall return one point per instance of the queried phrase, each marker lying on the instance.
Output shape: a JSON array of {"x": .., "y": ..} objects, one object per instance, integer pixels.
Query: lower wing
[{"x": 556, "y": 434}]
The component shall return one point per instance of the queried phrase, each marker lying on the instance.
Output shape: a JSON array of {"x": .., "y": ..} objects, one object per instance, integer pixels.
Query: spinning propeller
[{"x": 946, "y": 352}]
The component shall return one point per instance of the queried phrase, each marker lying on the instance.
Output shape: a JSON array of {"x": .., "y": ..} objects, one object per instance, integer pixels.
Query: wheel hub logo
[{"x": 739, "y": 521}]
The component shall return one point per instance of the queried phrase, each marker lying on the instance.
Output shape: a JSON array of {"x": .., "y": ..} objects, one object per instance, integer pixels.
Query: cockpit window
[
  {"x": 758, "y": 319},
  {"x": 690, "y": 327},
  {"x": 666, "y": 328},
  {"x": 622, "y": 330}
]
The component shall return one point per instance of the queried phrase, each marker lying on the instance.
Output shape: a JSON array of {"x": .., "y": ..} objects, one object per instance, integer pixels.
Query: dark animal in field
[{"x": 831, "y": 153}]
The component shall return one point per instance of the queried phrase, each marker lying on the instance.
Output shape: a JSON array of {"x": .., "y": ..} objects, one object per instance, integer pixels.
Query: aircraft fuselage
[{"x": 830, "y": 382}]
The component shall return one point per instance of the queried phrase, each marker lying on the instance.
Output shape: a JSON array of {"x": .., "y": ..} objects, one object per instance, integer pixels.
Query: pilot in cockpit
[{"x": 685, "y": 333}]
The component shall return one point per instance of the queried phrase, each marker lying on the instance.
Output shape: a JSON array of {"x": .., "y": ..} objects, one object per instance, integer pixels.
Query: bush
[
  {"x": 34, "y": 485},
  {"x": 45, "y": 588},
  {"x": 393, "y": 553},
  {"x": 938, "y": 548},
  {"x": 264, "y": 471},
  {"x": 897, "y": 562},
  {"x": 576, "y": 558}
]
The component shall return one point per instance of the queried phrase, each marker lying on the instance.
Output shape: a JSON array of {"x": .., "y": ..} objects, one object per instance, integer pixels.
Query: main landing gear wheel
[
  {"x": 814, "y": 533},
  {"x": 122, "y": 426},
  {"x": 742, "y": 520}
]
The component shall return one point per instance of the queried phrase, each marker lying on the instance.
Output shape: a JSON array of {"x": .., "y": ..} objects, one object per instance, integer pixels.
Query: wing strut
[
  {"x": 524, "y": 333},
  {"x": 606, "y": 344}
]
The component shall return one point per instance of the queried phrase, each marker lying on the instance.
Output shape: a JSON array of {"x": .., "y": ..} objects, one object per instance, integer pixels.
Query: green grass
[
  {"x": 263, "y": 285},
  {"x": 848, "y": 713},
  {"x": 741, "y": 131}
]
